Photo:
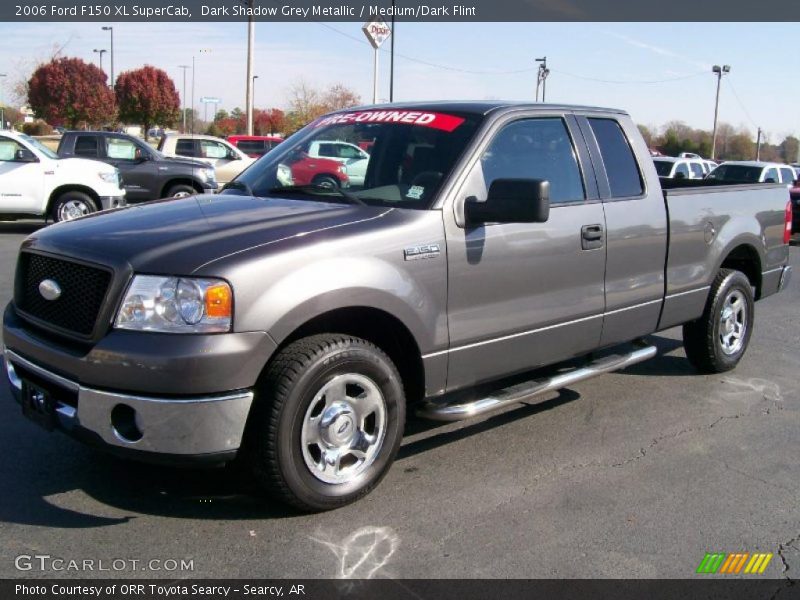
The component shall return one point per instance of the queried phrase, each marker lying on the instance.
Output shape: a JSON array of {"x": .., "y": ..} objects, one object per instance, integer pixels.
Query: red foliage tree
[
  {"x": 70, "y": 91},
  {"x": 147, "y": 96},
  {"x": 265, "y": 122}
]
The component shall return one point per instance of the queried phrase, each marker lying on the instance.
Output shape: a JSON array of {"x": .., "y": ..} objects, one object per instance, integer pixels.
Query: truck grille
[{"x": 83, "y": 289}]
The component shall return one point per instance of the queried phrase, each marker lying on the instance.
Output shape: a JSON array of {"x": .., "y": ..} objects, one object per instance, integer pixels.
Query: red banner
[{"x": 408, "y": 117}]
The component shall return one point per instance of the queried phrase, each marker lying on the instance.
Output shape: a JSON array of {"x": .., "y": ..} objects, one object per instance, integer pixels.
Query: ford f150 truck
[
  {"x": 34, "y": 182},
  {"x": 292, "y": 327}
]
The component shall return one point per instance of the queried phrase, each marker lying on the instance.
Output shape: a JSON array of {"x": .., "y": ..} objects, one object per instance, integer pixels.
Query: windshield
[
  {"x": 736, "y": 173},
  {"x": 39, "y": 146},
  {"x": 378, "y": 157},
  {"x": 663, "y": 167}
]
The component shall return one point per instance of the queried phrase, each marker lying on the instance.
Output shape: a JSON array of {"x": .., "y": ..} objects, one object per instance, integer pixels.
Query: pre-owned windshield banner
[
  {"x": 402, "y": 10},
  {"x": 408, "y": 117}
]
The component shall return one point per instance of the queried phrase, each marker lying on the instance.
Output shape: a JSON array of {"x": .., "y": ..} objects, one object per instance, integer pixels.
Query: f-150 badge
[{"x": 424, "y": 251}]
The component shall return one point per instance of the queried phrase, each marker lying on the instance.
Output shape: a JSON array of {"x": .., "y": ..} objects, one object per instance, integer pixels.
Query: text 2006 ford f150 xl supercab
[{"x": 292, "y": 326}]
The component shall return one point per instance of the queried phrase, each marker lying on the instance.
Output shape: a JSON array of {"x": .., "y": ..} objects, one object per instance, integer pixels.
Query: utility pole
[
  {"x": 758, "y": 145},
  {"x": 391, "y": 60},
  {"x": 719, "y": 72},
  {"x": 2, "y": 106},
  {"x": 251, "y": 35},
  {"x": 541, "y": 77},
  {"x": 254, "y": 99},
  {"x": 111, "y": 29},
  {"x": 183, "y": 95},
  {"x": 101, "y": 52}
]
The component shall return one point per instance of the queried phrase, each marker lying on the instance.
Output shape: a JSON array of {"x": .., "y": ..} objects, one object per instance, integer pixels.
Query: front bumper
[
  {"x": 108, "y": 202},
  {"x": 206, "y": 429}
]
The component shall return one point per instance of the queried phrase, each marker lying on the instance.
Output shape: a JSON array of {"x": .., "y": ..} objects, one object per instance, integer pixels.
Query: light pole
[
  {"x": 2, "y": 106},
  {"x": 101, "y": 52},
  {"x": 719, "y": 72},
  {"x": 251, "y": 41},
  {"x": 111, "y": 30},
  {"x": 201, "y": 51},
  {"x": 253, "y": 91},
  {"x": 391, "y": 59},
  {"x": 183, "y": 96},
  {"x": 541, "y": 77}
]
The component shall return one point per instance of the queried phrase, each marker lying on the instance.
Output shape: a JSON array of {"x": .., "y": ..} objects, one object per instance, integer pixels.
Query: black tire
[
  {"x": 326, "y": 181},
  {"x": 71, "y": 205},
  {"x": 181, "y": 190},
  {"x": 287, "y": 396},
  {"x": 707, "y": 340}
]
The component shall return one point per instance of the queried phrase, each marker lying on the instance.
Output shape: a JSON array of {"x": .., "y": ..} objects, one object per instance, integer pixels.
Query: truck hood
[
  {"x": 186, "y": 163},
  {"x": 177, "y": 236}
]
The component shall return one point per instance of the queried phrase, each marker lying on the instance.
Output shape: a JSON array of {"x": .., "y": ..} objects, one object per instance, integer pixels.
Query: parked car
[
  {"x": 293, "y": 327},
  {"x": 35, "y": 183},
  {"x": 146, "y": 173},
  {"x": 354, "y": 158},
  {"x": 690, "y": 155},
  {"x": 321, "y": 172},
  {"x": 255, "y": 146},
  {"x": 794, "y": 194},
  {"x": 751, "y": 171},
  {"x": 708, "y": 165},
  {"x": 668, "y": 167},
  {"x": 227, "y": 160}
]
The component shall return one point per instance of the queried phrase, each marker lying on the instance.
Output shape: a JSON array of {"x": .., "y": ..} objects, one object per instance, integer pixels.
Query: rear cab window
[
  {"x": 624, "y": 178},
  {"x": 86, "y": 146}
]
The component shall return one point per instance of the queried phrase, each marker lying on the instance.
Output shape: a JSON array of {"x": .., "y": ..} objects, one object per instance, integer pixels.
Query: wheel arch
[
  {"x": 71, "y": 187},
  {"x": 743, "y": 256},
  {"x": 180, "y": 181}
]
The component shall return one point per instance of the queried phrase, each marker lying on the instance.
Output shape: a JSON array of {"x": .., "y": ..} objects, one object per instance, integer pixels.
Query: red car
[
  {"x": 316, "y": 171},
  {"x": 255, "y": 145}
]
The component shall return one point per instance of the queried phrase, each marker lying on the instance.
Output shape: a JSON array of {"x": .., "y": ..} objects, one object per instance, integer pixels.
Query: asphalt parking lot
[{"x": 633, "y": 474}]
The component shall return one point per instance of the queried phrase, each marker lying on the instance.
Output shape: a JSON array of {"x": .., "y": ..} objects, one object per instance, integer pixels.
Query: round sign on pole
[{"x": 377, "y": 32}]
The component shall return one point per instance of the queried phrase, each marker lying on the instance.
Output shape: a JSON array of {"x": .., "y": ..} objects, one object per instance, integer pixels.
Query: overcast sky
[{"x": 656, "y": 71}]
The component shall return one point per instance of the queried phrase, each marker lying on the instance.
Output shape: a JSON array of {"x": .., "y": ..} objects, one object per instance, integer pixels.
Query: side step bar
[{"x": 438, "y": 411}]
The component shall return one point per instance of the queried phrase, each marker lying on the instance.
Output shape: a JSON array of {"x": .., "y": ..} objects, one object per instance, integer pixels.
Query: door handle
[{"x": 592, "y": 236}]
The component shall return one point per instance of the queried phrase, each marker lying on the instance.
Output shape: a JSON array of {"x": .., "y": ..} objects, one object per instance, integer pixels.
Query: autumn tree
[
  {"x": 147, "y": 96},
  {"x": 266, "y": 122},
  {"x": 70, "y": 91},
  {"x": 338, "y": 97}
]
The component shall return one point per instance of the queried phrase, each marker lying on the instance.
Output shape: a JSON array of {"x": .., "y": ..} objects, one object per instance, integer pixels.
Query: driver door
[
  {"x": 21, "y": 183},
  {"x": 140, "y": 176},
  {"x": 521, "y": 295},
  {"x": 226, "y": 164}
]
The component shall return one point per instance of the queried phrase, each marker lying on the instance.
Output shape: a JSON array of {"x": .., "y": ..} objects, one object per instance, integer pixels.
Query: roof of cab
[{"x": 480, "y": 107}]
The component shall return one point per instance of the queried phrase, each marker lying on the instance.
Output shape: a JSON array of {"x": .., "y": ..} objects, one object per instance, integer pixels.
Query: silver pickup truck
[{"x": 292, "y": 326}]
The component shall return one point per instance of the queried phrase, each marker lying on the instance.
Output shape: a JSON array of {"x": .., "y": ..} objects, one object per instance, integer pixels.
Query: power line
[
  {"x": 741, "y": 104},
  {"x": 629, "y": 81}
]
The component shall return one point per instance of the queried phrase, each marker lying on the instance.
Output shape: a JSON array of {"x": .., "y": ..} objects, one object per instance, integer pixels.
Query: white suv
[
  {"x": 228, "y": 161},
  {"x": 350, "y": 155},
  {"x": 35, "y": 182}
]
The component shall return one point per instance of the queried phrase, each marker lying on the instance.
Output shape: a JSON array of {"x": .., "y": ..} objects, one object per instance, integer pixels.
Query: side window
[
  {"x": 788, "y": 176},
  {"x": 682, "y": 169},
  {"x": 772, "y": 173},
  {"x": 86, "y": 145},
  {"x": 348, "y": 152},
  {"x": 697, "y": 170},
  {"x": 535, "y": 149},
  {"x": 185, "y": 147},
  {"x": 120, "y": 149},
  {"x": 327, "y": 150},
  {"x": 8, "y": 149},
  {"x": 210, "y": 149},
  {"x": 623, "y": 173}
]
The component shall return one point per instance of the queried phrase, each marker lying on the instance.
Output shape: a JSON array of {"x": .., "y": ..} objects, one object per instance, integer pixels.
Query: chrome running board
[{"x": 443, "y": 411}]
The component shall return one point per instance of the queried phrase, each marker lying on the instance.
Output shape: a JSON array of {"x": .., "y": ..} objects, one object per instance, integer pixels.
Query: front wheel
[
  {"x": 717, "y": 341},
  {"x": 327, "y": 422},
  {"x": 181, "y": 190},
  {"x": 328, "y": 182},
  {"x": 71, "y": 205}
]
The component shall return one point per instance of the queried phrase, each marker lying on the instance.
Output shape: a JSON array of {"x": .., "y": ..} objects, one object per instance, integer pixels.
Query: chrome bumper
[
  {"x": 185, "y": 427},
  {"x": 786, "y": 277}
]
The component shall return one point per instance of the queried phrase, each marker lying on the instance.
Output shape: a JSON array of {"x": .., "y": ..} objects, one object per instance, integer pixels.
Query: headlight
[
  {"x": 112, "y": 178},
  {"x": 176, "y": 305},
  {"x": 343, "y": 169}
]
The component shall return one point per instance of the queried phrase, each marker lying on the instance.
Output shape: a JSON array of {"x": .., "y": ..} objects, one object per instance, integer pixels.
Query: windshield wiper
[
  {"x": 317, "y": 190},
  {"x": 238, "y": 184}
]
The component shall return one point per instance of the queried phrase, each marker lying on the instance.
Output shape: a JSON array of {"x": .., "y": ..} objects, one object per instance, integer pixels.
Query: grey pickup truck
[
  {"x": 292, "y": 327},
  {"x": 146, "y": 173}
]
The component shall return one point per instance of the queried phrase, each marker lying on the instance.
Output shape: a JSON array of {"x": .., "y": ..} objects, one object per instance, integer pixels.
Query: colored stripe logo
[{"x": 735, "y": 563}]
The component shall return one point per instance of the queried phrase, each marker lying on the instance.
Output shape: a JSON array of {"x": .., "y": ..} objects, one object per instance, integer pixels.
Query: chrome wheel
[
  {"x": 343, "y": 428},
  {"x": 181, "y": 195},
  {"x": 72, "y": 209},
  {"x": 733, "y": 322}
]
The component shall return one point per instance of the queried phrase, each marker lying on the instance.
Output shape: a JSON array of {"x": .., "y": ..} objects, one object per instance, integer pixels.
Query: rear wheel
[
  {"x": 717, "y": 341},
  {"x": 71, "y": 205},
  {"x": 327, "y": 422}
]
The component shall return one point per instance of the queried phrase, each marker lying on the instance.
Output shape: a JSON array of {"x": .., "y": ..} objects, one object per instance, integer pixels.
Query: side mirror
[
  {"x": 140, "y": 156},
  {"x": 512, "y": 201},
  {"x": 233, "y": 156},
  {"x": 24, "y": 155}
]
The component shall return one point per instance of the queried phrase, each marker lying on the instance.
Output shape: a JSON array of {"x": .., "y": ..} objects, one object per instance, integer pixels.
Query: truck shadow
[
  {"x": 45, "y": 475},
  {"x": 23, "y": 227}
]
